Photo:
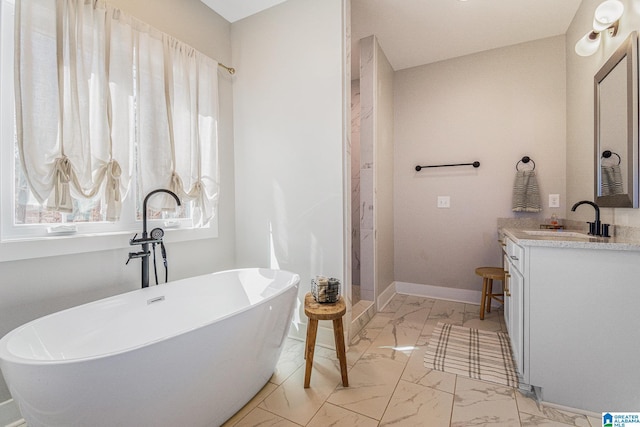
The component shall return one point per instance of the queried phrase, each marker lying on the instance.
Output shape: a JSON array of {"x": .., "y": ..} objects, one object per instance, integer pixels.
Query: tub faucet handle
[{"x": 140, "y": 254}]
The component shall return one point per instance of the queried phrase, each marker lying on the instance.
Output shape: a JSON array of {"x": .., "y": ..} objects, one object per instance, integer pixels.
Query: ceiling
[
  {"x": 418, "y": 32},
  {"x": 234, "y": 10}
]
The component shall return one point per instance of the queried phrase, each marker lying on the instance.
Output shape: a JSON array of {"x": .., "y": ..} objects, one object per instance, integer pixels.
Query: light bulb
[
  {"x": 607, "y": 13},
  {"x": 589, "y": 44}
]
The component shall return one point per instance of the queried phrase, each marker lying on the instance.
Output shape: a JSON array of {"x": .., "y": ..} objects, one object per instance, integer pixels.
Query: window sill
[{"x": 41, "y": 247}]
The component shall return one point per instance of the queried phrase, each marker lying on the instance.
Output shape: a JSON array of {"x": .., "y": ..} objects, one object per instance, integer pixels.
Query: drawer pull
[
  {"x": 507, "y": 292},
  {"x": 513, "y": 257}
]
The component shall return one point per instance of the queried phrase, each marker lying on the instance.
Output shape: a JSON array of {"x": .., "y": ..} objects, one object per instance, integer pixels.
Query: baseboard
[
  {"x": 386, "y": 296},
  {"x": 466, "y": 296},
  {"x": 10, "y": 415}
]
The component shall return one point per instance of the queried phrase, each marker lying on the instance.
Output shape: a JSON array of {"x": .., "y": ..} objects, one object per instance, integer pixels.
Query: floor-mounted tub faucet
[
  {"x": 596, "y": 228},
  {"x": 145, "y": 240}
]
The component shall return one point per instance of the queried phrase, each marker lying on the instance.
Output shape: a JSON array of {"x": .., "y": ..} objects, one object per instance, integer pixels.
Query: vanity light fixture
[{"x": 606, "y": 18}]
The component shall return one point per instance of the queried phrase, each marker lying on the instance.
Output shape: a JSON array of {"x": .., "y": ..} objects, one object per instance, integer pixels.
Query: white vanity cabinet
[
  {"x": 514, "y": 303},
  {"x": 573, "y": 313}
]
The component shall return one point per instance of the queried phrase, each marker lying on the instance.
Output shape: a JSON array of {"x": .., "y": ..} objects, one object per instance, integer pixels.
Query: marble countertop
[{"x": 569, "y": 239}]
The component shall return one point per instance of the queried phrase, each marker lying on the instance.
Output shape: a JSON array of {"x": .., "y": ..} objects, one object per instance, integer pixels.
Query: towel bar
[{"x": 475, "y": 164}]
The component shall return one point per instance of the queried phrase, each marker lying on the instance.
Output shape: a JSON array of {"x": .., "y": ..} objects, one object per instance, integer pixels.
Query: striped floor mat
[{"x": 477, "y": 354}]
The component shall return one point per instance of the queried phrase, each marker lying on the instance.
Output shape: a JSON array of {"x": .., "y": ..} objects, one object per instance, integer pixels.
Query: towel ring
[
  {"x": 526, "y": 159},
  {"x": 607, "y": 154}
]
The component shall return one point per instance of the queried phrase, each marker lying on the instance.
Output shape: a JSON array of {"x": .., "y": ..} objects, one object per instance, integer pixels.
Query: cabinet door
[
  {"x": 515, "y": 322},
  {"x": 506, "y": 299}
]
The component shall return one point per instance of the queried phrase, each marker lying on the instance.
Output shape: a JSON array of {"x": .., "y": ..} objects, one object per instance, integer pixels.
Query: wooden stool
[
  {"x": 316, "y": 311},
  {"x": 489, "y": 274}
]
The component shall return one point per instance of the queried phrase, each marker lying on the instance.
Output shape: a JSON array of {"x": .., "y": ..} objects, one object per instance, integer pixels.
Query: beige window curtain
[
  {"x": 177, "y": 122},
  {"x": 74, "y": 102},
  {"x": 191, "y": 87},
  {"x": 121, "y": 86}
]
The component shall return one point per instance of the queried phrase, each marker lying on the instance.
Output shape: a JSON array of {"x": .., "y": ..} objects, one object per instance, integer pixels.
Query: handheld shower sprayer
[{"x": 156, "y": 235}]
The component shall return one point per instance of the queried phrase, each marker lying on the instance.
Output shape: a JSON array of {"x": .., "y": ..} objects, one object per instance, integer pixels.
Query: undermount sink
[{"x": 557, "y": 233}]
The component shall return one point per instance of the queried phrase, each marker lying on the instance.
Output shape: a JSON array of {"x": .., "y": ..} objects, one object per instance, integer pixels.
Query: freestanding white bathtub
[{"x": 188, "y": 353}]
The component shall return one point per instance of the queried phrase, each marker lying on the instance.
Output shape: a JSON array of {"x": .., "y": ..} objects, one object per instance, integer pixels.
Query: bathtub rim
[{"x": 8, "y": 356}]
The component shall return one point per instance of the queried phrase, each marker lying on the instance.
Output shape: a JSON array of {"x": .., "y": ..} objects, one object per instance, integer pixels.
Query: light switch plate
[
  {"x": 554, "y": 200},
  {"x": 444, "y": 201}
]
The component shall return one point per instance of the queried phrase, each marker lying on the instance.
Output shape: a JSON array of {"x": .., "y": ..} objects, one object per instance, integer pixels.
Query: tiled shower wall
[
  {"x": 355, "y": 184},
  {"x": 367, "y": 126}
]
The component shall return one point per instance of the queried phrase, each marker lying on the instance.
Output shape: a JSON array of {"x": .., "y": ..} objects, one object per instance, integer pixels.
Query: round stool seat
[
  {"x": 326, "y": 311},
  {"x": 493, "y": 273},
  {"x": 489, "y": 274},
  {"x": 315, "y": 310}
]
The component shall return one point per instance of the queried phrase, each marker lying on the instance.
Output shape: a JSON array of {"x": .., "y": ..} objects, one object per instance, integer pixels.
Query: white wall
[
  {"x": 288, "y": 126},
  {"x": 35, "y": 287},
  {"x": 580, "y": 114},
  {"x": 493, "y": 107}
]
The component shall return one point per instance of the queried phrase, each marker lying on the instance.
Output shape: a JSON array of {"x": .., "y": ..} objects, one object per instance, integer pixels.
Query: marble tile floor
[{"x": 389, "y": 385}]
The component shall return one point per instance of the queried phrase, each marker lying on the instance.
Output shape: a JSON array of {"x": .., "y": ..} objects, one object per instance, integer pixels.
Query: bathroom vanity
[{"x": 572, "y": 309}]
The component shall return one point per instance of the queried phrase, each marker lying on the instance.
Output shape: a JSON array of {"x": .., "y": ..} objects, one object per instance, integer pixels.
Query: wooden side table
[{"x": 316, "y": 311}]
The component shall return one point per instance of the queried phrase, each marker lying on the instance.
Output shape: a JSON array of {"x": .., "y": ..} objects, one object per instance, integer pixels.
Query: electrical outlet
[
  {"x": 444, "y": 201},
  {"x": 554, "y": 200}
]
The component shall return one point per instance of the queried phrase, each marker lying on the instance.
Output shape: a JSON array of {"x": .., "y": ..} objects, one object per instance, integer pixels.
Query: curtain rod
[{"x": 231, "y": 70}]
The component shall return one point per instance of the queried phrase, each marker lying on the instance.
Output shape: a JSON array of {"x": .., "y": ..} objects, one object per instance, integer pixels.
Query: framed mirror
[{"x": 616, "y": 128}]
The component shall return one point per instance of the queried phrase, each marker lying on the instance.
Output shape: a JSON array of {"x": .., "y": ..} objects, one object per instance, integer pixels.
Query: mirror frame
[{"x": 628, "y": 49}]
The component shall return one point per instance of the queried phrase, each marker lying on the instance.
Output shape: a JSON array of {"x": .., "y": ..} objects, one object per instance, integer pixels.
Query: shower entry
[{"x": 362, "y": 229}]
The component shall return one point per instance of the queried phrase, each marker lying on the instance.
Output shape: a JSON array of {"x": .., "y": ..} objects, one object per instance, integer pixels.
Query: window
[{"x": 134, "y": 110}]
